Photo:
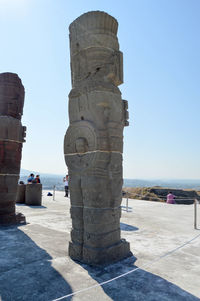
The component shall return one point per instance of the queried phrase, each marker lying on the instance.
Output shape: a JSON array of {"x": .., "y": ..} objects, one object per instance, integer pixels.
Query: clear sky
[{"x": 161, "y": 46}]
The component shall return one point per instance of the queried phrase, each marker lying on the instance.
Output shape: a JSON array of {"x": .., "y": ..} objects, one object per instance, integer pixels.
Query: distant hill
[
  {"x": 175, "y": 183},
  {"x": 49, "y": 180},
  {"x": 159, "y": 194},
  {"x": 26, "y": 172}
]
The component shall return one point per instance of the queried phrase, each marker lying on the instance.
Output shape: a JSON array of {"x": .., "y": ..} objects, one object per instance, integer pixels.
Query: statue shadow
[
  {"x": 139, "y": 285},
  {"x": 26, "y": 272},
  {"x": 126, "y": 227}
]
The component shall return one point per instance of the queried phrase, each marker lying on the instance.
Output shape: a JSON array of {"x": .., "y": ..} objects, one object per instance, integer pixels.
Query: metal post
[
  {"x": 127, "y": 204},
  {"x": 54, "y": 192},
  {"x": 195, "y": 213}
]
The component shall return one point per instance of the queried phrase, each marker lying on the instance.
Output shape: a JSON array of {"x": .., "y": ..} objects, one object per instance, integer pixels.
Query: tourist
[
  {"x": 66, "y": 181},
  {"x": 37, "y": 179},
  {"x": 30, "y": 178},
  {"x": 170, "y": 198}
]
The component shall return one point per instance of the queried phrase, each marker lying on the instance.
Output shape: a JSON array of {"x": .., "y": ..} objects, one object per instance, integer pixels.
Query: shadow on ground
[
  {"x": 126, "y": 227},
  {"x": 31, "y": 206},
  {"x": 26, "y": 273},
  {"x": 124, "y": 208},
  {"x": 137, "y": 286}
]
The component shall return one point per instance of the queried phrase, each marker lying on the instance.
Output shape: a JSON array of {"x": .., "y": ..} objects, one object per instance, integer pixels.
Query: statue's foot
[{"x": 12, "y": 219}]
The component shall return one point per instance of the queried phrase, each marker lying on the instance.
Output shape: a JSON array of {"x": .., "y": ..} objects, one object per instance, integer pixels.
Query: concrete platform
[{"x": 34, "y": 264}]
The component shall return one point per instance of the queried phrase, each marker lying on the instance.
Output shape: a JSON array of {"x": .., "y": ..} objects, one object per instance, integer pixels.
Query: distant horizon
[{"x": 23, "y": 170}]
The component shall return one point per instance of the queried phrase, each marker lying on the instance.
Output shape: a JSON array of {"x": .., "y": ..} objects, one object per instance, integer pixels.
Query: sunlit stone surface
[
  {"x": 12, "y": 135},
  {"x": 93, "y": 143}
]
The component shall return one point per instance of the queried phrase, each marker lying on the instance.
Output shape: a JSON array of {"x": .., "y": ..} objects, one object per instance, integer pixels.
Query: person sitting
[
  {"x": 30, "y": 178},
  {"x": 37, "y": 179},
  {"x": 170, "y": 198}
]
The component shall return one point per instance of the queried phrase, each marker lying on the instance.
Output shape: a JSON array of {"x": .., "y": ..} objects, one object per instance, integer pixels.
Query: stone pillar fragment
[
  {"x": 93, "y": 143},
  {"x": 12, "y": 135},
  {"x": 21, "y": 190},
  {"x": 33, "y": 194}
]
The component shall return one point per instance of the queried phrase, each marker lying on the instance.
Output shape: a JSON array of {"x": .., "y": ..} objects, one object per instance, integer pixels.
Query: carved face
[{"x": 81, "y": 145}]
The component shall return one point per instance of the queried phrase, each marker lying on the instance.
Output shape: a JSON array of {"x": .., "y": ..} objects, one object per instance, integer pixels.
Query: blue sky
[{"x": 161, "y": 47}]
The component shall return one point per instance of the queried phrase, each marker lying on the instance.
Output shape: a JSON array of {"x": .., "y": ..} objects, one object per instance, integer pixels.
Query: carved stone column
[
  {"x": 12, "y": 135},
  {"x": 93, "y": 143}
]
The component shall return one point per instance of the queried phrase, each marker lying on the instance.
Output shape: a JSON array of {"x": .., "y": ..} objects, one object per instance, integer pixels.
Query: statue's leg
[
  {"x": 76, "y": 199},
  {"x": 9, "y": 164},
  {"x": 101, "y": 217}
]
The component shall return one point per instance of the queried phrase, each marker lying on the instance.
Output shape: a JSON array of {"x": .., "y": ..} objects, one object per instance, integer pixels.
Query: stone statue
[
  {"x": 93, "y": 144},
  {"x": 12, "y": 135}
]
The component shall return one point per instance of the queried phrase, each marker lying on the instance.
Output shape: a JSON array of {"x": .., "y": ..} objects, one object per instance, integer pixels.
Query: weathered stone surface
[
  {"x": 33, "y": 194},
  {"x": 102, "y": 240},
  {"x": 12, "y": 135},
  {"x": 11, "y": 219},
  {"x": 93, "y": 143},
  {"x": 77, "y": 236},
  {"x": 101, "y": 216},
  {"x": 106, "y": 255},
  {"x": 76, "y": 251},
  {"x": 101, "y": 228},
  {"x": 12, "y": 95}
]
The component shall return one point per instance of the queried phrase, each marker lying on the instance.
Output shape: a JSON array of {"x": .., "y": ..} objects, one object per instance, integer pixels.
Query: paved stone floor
[{"x": 34, "y": 264}]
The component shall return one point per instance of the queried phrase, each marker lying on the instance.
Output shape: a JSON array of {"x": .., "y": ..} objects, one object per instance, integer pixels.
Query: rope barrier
[{"x": 129, "y": 272}]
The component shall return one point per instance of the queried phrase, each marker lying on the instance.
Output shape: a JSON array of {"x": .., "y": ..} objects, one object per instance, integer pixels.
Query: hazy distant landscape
[{"x": 49, "y": 180}]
